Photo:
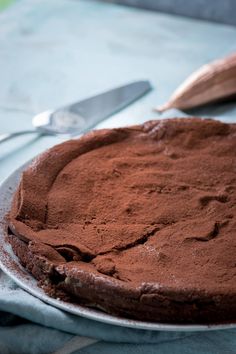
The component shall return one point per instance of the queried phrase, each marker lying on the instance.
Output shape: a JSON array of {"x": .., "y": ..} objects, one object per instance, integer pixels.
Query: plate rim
[{"x": 27, "y": 282}]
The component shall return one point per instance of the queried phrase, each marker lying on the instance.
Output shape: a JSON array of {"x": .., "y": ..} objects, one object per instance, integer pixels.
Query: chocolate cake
[{"x": 137, "y": 221}]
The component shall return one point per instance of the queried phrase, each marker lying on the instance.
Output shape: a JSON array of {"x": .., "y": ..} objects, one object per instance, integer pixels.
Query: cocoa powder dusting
[{"x": 150, "y": 204}]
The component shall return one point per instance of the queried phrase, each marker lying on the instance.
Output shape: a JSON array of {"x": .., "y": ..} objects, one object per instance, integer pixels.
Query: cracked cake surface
[{"x": 137, "y": 221}]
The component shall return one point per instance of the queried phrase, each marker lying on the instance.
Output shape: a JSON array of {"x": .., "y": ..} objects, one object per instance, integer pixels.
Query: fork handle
[{"x": 8, "y": 136}]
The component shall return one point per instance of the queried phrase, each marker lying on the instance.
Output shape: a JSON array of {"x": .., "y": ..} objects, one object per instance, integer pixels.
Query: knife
[{"x": 81, "y": 116}]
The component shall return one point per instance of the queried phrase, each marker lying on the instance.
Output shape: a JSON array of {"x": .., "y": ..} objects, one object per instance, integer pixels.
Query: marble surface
[{"x": 59, "y": 51}]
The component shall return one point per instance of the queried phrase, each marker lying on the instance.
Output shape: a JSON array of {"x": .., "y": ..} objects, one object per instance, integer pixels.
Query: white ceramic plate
[{"x": 11, "y": 266}]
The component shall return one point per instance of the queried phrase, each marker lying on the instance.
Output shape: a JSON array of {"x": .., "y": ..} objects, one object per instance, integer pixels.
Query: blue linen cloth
[{"x": 28, "y": 325}]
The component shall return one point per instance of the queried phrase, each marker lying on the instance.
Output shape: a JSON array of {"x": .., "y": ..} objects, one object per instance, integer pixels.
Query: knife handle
[{"x": 8, "y": 136}]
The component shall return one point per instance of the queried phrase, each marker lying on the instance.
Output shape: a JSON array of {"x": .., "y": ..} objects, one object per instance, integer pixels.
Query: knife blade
[
  {"x": 85, "y": 114},
  {"x": 81, "y": 116}
]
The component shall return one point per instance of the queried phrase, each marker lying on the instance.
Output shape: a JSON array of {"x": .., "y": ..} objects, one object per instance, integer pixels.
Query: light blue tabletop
[{"x": 59, "y": 51}]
